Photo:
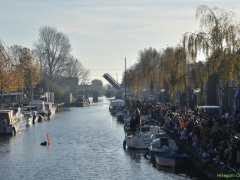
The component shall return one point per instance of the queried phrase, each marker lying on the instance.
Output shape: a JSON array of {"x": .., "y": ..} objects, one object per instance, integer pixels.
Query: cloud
[{"x": 105, "y": 31}]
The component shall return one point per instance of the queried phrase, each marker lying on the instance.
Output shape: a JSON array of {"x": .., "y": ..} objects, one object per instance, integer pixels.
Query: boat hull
[
  {"x": 169, "y": 162},
  {"x": 138, "y": 141},
  {"x": 171, "y": 158},
  {"x": 80, "y": 104},
  {"x": 35, "y": 119},
  {"x": 7, "y": 130}
]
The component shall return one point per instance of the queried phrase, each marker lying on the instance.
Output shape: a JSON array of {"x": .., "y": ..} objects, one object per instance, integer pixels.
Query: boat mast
[{"x": 125, "y": 81}]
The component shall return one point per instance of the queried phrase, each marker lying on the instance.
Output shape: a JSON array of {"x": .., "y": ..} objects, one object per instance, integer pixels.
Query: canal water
[{"x": 85, "y": 143}]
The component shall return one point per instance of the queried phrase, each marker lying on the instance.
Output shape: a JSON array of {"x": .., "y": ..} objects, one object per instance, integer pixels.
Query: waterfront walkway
[
  {"x": 198, "y": 159},
  {"x": 200, "y": 133}
]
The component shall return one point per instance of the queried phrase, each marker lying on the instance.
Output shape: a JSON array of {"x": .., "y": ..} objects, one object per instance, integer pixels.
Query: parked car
[{"x": 116, "y": 106}]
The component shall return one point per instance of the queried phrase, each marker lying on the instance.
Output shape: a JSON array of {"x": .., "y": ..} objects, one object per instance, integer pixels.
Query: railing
[{"x": 208, "y": 155}]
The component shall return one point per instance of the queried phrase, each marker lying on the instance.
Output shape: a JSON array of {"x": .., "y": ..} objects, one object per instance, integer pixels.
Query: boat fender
[
  {"x": 124, "y": 144},
  {"x": 14, "y": 130},
  {"x": 43, "y": 143}
]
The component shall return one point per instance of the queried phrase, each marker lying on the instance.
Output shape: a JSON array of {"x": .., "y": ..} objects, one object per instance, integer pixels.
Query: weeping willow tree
[
  {"x": 149, "y": 60},
  {"x": 177, "y": 68},
  {"x": 173, "y": 69},
  {"x": 232, "y": 54},
  {"x": 218, "y": 40},
  {"x": 133, "y": 75}
]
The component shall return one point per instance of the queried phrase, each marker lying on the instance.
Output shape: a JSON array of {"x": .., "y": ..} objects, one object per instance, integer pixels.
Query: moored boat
[
  {"x": 123, "y": 116},
  {"x": 171, "y": 158},
  {"x": 81, "y": 101},
  {"x": 5, "y": 128},
  {"x": 116, "y": 106},
  {"x": 50, "y": 107},
  {"x": 11, "y": 121},
  {"x": 30, "y": 112},
  {"x": 160, "y": 144},
  {"x": 142, "y": 137},
  {"x": 41, "y": 109},
  {"x": 28, "y": 118}
]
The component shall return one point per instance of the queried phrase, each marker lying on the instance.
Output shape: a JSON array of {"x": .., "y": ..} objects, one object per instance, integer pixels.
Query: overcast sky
[{"x": 105, "y": 32}]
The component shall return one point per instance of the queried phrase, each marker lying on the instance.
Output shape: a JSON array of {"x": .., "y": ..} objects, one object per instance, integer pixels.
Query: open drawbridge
[{"x": 112, "y": 81}]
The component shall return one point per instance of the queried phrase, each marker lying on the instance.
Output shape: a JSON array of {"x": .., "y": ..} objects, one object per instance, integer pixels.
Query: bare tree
[
  {"x": 75, "y": 68},
  {"x": 52, "y": 50}
]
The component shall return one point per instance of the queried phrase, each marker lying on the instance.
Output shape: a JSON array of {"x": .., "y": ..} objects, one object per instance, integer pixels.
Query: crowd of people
[{"x": 216, "y": 137}]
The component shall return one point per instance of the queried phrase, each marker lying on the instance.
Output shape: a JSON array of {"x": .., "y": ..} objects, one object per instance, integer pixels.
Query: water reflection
[
  {"x": 86, "y": 143},
  {"x": 135, "y": 155},
  {"x": 5, "y": 144}
]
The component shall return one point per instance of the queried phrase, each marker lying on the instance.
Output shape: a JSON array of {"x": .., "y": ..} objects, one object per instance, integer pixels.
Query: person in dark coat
[
  {"x": 137, "y": 118},
  {"x": 189, "y": 129},
  {"x": 210, "y": 123},
  {"x": 132, "y": 124},
  {"x": 233, "y": 157}
]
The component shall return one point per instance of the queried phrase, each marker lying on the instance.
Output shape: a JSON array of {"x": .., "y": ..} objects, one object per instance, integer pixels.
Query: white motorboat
[
  {"x": 51, "y": 107},
  {"x": 35, "y": 117},
  {"x": 141, "y": 138},
  {"x": 160, "y": 144},
  {"x": 116, "y": 106},
  {"x": 41, "y": 109},
  {"x": 123, "y": 116},
  {"x": 11, "y": 121},
  {"x": 5, "y": 128},
  {"x": 30, "y": 113},
  {"x": 28, "y": 118},
  {"x": 170, "y": 158}
]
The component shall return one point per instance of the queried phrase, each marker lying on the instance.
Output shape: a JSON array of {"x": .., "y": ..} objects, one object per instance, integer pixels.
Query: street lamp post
[
  {"x": 197, "y": 90},
  {"x": 144, "y": 91},
  {"x": 162, "y": 90}
]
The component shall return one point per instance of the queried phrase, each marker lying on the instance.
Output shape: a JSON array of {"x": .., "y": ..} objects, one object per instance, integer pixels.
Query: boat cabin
[
  {"x": 81, "y": 99},
  {"x": 116, "y": 105},
  {"x": 151, "y": 129},
  {"x": 50, "y": 105},
  {"x": 163, "y": 140},
  {"x": 7, "y": 115},
  {"x": 29, "y": 108},
  {"x": 38, "y": 104}
]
